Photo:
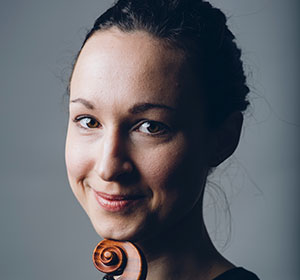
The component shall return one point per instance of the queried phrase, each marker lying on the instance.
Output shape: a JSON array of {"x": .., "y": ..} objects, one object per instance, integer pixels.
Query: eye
[
  {"x": 87, "y": 122},
  {"x": 153, "y": 128}
]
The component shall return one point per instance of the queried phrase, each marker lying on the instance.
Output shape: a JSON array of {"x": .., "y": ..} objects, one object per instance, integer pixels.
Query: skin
[{"x": 112, "y": 148}]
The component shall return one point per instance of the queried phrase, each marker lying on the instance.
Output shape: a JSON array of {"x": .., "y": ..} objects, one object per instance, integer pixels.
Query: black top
[{"x": 237, "y": 273}]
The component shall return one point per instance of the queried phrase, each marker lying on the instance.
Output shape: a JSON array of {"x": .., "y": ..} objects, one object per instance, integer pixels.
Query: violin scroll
[{"x": 120, "y": 258}]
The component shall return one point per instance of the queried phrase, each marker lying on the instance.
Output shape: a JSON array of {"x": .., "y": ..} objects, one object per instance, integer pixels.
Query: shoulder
[{"x": 237, "y": 273}]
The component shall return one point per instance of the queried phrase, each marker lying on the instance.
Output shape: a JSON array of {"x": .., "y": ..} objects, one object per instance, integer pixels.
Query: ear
[{"x": 225, "y": 139}]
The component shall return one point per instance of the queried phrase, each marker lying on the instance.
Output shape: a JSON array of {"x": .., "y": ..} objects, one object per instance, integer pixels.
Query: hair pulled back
[{"x": 199, "y": 29}]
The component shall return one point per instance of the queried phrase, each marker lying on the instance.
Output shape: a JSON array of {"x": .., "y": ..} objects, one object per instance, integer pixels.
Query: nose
[{"x": 113, "y": 161}]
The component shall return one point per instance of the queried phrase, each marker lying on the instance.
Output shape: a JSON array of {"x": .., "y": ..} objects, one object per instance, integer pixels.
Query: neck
[{"x": 184, "y": 251}]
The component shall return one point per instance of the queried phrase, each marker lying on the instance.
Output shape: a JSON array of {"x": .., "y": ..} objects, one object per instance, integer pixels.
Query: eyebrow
[
  {"x": 136, "y": 109},
  {"x": 84, "y": 102},
  {"x": 142, "y": 107}
]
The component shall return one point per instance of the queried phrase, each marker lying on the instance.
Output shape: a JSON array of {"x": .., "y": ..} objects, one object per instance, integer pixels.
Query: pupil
[
  {"x": 152, "y": 127},
  {"x": 91, "y": 123}
]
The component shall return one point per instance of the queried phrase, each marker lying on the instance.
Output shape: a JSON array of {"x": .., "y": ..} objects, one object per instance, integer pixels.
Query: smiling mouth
[{"x": 116, "y": 203}]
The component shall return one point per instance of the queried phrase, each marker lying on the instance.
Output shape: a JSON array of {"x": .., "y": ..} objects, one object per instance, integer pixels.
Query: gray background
[{"x": 44, "y": 232}]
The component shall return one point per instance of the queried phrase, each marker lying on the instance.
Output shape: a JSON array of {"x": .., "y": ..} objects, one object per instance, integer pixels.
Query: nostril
[
  {"x": 127, "y": 167},
  {"x": 114, "y": 169}
]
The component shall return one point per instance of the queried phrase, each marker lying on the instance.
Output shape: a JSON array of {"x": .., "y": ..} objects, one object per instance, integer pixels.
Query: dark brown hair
[{"x": 199, "y": 29}]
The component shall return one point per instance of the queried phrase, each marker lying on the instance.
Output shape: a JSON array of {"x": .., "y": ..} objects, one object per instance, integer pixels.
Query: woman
[{"x": 156, "y": 100}]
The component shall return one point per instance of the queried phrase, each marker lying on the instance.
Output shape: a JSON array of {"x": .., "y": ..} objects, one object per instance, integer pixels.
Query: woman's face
[{"x": 135, "y": 157}]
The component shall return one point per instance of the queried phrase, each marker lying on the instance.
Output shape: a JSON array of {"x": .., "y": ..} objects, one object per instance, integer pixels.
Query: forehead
[{"x": 130, "y": 66}]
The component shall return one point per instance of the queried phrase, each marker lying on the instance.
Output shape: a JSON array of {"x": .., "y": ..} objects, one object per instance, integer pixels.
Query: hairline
[{"x": 166, "y": 42}]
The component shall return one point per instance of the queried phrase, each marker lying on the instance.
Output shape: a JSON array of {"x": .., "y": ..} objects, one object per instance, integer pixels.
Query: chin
[{"x": 117, "y": 231}]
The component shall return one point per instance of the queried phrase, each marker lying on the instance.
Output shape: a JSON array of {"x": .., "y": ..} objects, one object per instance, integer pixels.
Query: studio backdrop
[{"x": 45, "y": 234}]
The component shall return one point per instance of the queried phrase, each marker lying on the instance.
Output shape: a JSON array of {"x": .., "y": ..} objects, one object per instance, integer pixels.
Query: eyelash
[
  {"x": 162, "y": 128},
  {"x": 80, "y": 118}
]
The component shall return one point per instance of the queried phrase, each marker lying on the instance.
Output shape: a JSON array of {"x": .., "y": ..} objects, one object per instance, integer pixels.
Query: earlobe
[{"x": 225, "y": 139}]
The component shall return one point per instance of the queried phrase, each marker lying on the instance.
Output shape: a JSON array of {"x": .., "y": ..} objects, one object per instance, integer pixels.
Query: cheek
[
  {"x": 173, "y": 172},
  {"x": 176, "y": 180},
  {"x": 77, "y": 158}
]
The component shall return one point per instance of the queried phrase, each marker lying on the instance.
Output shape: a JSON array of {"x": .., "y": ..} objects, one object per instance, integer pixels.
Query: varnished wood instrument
[{"x": 123, "y": 259}]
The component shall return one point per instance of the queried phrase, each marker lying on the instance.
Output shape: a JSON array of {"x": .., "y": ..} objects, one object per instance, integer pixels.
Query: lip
[{"x": 116, "y": 203}]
